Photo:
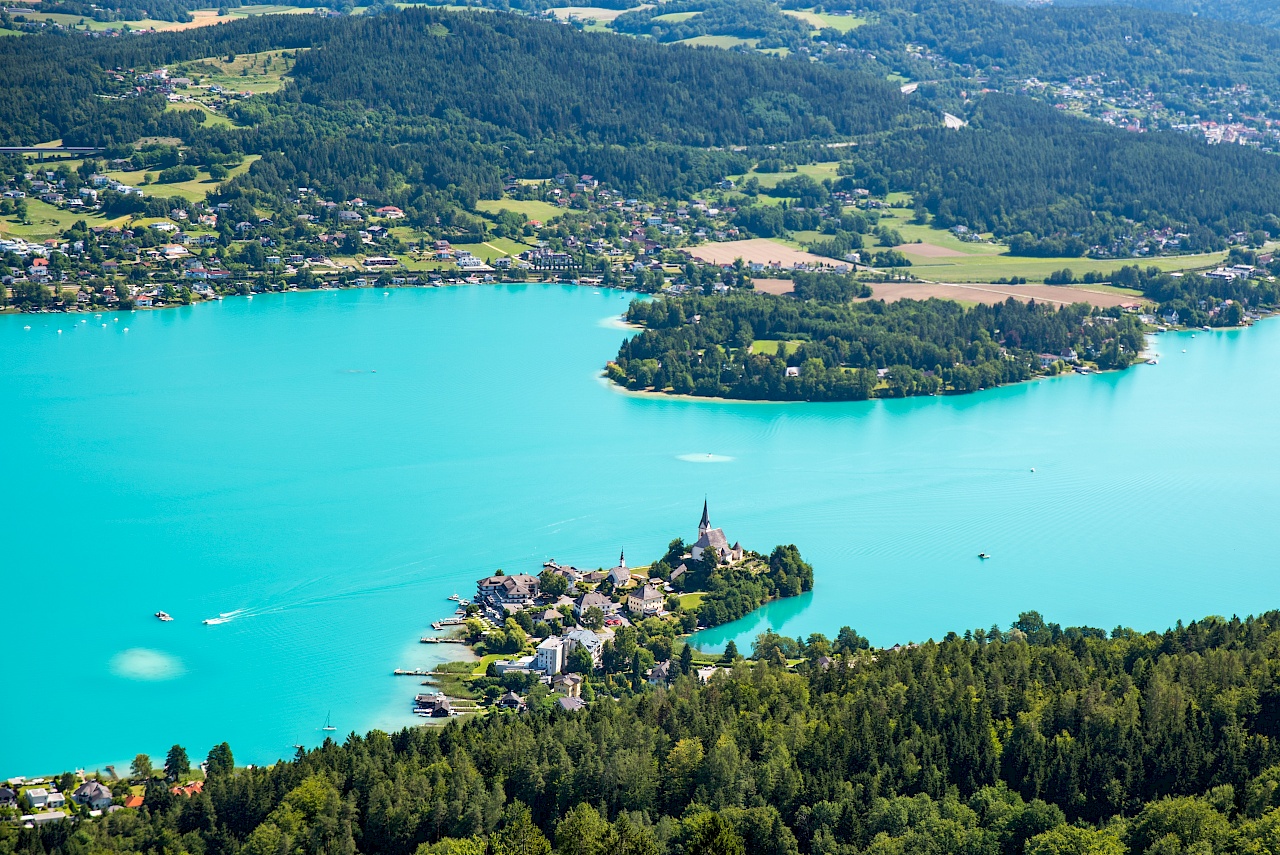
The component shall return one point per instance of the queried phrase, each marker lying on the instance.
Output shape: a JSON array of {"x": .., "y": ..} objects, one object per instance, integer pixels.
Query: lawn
[
  {"x": 493, "y": 248},
  {"x": 584, "y": 13},
  {"x": 824, "y": 20},
  {"x": 12, "y": 33},
  {"x": 691, "y": 601},
  {"x": 533, "y": 209},
  {"x": 771, "y": 346}
]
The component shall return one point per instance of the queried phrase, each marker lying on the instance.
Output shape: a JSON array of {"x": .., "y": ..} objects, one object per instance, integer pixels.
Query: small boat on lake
[
  {"x": 327, "y": 725},
  {"x": 164, "y": 616},
  {"x": 984, "y": 556}
]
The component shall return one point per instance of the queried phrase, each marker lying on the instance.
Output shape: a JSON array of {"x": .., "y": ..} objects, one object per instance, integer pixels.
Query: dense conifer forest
[{"x": 1036, "y": 740}]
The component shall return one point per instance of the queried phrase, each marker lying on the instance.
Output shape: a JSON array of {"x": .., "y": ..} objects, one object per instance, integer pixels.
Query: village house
[
  {"x": 511, "y": 701},
  {"x": 8, "y": 798},
  {"x": 594, "y": 599},
  {"x": 93, "y": 794},
  {"x": 36, "y": 798},
  {"x": 571, "y": 704}
]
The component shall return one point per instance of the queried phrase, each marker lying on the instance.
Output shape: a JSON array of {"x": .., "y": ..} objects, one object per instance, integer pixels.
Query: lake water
[{"x": 325, "y": 469}]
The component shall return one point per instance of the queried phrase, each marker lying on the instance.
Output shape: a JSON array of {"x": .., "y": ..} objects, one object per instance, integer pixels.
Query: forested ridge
[
  {"x": 1263, "y": 13},
  {"x": 428, "y": 110},
  {"x": 1036, "y": 740},
  {"x": 1024, "y": 167}
]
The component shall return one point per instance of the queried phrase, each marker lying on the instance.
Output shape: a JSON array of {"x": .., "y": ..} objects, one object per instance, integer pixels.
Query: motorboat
[
  {"x": 984, "y": 556},
  {"x": 164, "y": 616}
]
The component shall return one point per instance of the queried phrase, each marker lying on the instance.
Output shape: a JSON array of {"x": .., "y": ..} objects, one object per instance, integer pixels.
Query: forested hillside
[
  {"x": 429, "y": 109},
  {"x": 1024, "y": 167},
  {"x": 1264, "y": 13},
  {"x": 1037, "y": 740}
]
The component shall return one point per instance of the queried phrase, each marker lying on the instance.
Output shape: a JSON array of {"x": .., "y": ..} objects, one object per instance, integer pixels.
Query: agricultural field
[
  {"x": 760, "y": 250},
  {"x": 533, "y": 209},
  {"x": 725, "y": 42},
  {"x": 193, "y": 191},
  {"x": 825, "y": 20},
  {"x": 816, "y": 171},
  {"x": 941, "y": 256},
  {"x": 45, "y": 221}
]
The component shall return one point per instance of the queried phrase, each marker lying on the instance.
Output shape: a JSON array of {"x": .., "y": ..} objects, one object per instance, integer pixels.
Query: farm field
[
  {"x": 816, "y": 171},
  {"x": 47, "y": 221},
  {"x": 943, "y": 257},
  {"x": 718, "y": 42},
  {"x": 1062, "y": 295},
  {"x": 823, "y": 20},
  {"x": 534, "y": 209},
  {"x": 759, "y": 250},
  {"x": 193, "y": 191}
]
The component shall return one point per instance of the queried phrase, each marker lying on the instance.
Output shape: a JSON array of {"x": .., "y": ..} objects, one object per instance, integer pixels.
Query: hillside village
[{"x": 569, "y": 632}]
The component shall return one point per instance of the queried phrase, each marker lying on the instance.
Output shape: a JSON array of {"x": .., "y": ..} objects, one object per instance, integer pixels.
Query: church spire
[
  {"x": 705, "y": 525},
  {"x": 622, "y": 559}
]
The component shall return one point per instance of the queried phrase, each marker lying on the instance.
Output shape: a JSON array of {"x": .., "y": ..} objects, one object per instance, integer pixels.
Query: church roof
[
  {"x": 706, "y": 519},
  {"x": 713, "y": 538}
]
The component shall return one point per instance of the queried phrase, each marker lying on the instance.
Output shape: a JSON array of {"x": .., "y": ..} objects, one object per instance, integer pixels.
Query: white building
[{"x": 549, "y": 656}]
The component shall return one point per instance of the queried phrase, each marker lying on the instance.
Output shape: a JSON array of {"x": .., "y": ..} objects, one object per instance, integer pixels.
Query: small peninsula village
[{"x": 566, "y": 635}]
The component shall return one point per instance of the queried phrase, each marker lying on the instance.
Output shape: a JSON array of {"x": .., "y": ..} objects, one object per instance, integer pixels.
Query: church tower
[{"x": 705, "y": 525}]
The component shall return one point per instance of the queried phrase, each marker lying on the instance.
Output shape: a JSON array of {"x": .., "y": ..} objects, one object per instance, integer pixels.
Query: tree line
[{"x": 1031, "y": 740}]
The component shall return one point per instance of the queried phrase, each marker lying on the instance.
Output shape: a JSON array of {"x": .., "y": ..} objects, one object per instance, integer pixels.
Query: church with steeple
[{"x": 713, "y": 539}]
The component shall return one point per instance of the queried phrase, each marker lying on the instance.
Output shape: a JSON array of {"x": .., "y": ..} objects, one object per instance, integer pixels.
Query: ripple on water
[
  {"x": 704, "y": 458},
  {"x": 140, "y": 663}
]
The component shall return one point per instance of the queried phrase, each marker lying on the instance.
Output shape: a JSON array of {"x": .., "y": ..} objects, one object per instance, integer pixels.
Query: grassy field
[
  {"x": 816, "y": 171},
  {"x": 691, "y": 601},
  {"x": 718, "y": 41},
  {"x": 985, "y": 262},
  {"x": 191, "y": 190},
  {"x": 675, "y": 17},
  {"x": 45, "y": 221},
  {"x": 12, "y": 33},
  {"x": 770, "y": 346},
  {"x": 493, "y": 248},
  {"x": 249, "y": 72},
  {"x": 823, "y": 20},
  {"x": 211, "y": 120},
  {"x": 534, "y": 209}
]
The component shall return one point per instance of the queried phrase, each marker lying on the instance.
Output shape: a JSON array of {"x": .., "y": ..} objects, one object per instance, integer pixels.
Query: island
[{"x": 552, "y": 637}]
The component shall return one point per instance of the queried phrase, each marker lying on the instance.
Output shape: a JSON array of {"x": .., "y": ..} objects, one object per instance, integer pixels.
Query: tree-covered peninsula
[
  {"x": 832, "y": 348},
  {"x": 1031, "y": 740}
]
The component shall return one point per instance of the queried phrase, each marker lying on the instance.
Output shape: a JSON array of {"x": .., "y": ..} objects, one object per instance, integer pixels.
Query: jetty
[{"x": 432, "y": 640}]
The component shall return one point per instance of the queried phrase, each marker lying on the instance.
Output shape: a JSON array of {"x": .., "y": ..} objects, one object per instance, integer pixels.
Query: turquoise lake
[{"x": 325, "y": 469}]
